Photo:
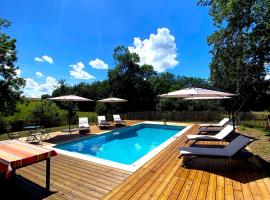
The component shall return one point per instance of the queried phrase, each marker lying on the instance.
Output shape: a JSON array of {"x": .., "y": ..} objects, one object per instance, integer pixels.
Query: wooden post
[{"x": 48, "y": 169}]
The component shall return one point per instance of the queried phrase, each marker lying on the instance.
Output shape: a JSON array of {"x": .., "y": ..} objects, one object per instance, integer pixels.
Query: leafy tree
[
  {"x": 240, "y": 46},
  {"x": 62, "y": 89},
  {"x": 129, "y": 80},
  {"x": 46, "y": 113},
  {"x": 10, "y": 83}
]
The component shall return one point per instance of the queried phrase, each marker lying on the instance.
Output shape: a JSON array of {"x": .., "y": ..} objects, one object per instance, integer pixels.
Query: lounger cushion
[
  {"x": 83, "y": 122},
  {"x": 221, "y": 123},
  {"x": 219, "y": 136},
  {"x": 231, "y": 149},
  {"x": 202, "y": 151}
]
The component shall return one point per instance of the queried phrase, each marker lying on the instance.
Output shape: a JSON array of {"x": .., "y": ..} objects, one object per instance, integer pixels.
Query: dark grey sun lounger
[{"x": 231, "y": 149}]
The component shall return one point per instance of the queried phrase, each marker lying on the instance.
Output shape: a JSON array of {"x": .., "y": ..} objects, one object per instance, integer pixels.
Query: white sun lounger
[
  {"x": 231, "y": 149},
  {"x": 219, "y": 136},
  {"x": 223, "y": 122},
  {"x": 83, "y": 124},
  {"x": 117, "y": 119},
  {"x": 102, "y": 122}
]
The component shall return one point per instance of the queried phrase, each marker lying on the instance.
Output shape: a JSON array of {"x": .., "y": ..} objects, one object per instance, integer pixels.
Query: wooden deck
[{"x": 163, "y": 177}]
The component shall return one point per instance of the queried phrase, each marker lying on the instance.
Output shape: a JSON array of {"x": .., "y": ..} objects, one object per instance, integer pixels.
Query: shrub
[{"x": 47, "y": 114}]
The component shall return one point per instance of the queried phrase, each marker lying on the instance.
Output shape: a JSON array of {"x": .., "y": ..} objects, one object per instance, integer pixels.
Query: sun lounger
[
  {"x": 102, "y": 122},
  {"x": 117, "y": 120},
  {"x": 222, "y": 123},
  {"x": 231, "y": 149},
  {"x": 219, "y": 136},
  {"x": 83, "y": 124}
]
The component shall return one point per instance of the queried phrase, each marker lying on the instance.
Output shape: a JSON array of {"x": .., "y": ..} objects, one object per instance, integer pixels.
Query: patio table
[
  {"x": 15, "y": 154},
  {"x": 32, "y": 127}
]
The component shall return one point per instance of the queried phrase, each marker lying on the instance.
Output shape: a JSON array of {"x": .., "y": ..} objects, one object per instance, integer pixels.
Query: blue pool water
[{"x": 124, "y": 146}]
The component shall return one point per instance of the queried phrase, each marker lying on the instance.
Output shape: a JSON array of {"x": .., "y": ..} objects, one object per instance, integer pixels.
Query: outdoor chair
[
  {"x": 222, "y": 123},
  {"x": 117, "y": 120},
  {"x": 219, "y": 136},
  {"x": 102, "y": 122},
  {"x": 228, "y": 151},
  {"x": 34, "y": 137},
  {"x": 45, "y": 134},
  {"x": 83, "y": 124},
  {"x": 11, "y": 135}
]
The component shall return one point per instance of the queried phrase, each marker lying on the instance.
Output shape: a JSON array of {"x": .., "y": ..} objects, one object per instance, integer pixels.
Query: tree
[
  {"x": 62, "y": 89},
  {"x": 240, "y": 46},
  {"x": 46, "y": 113},
  {"x": 10, "y": 83},
  {"x": 129, "y": 80}
]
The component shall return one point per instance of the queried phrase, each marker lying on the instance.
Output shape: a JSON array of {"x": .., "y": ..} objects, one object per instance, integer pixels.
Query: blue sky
[{"x": 58, "y": 39}]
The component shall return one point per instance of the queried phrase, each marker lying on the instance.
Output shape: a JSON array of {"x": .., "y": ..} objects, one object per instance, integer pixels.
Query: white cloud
[
  {"x": 98, "y": 64},
  {"x": 79, "y": 73},
  {"x": 39, "y": 75},
  {"x": 37, "y": 59},
  {"x": 35, "y": 89},
  {"x": 6, "y": 67},
  {"x": 44, "y": 58},
  {"x": 47, "y": 59},
  {"x": 18, "y": 72},
  {"x": 267, "y": 77},
  {"x": 159, "y": 50}
]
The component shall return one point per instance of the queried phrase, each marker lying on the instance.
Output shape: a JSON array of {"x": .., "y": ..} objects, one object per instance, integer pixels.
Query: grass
[
  {"x": 24, "y": 110},
  {"x": 255, "y": 129}
]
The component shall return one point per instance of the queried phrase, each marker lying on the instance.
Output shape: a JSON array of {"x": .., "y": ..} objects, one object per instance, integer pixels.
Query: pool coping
[{"x": 132, "y": 167}]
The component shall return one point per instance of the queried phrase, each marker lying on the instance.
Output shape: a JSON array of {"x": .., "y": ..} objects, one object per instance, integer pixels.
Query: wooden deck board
[
  {"x": 163, "y": 177},
  {"x": 200, "y": 179}
]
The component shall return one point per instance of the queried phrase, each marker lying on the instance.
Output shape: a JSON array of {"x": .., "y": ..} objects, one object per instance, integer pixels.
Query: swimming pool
[{"x": 124, "y": 147}]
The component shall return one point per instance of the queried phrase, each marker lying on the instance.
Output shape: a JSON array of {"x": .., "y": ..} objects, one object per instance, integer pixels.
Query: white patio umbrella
[
  {"x": 196, "y": 93},
  {"x": 112, "y": 100},
  {"x": 69, "y": 98}
]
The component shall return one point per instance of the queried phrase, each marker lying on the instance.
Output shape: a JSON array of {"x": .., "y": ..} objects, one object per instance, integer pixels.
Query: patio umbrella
[
  {"x": 112, "y": 100},
  {"x": 196, "y": 93},
  {"x": 69, "y": 98},
  {"x": 193, "y": 93}
]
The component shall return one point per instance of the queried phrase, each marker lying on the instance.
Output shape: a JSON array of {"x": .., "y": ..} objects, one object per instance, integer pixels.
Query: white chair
[
  {"x": 117, "y": 120},
  {"x": 83, "y": 124},
  {"x": 222, "y": 123},
  {"x": 229, "y": 150},
  {"x": 219, "y": 136},
  {"x": 102, "y": 122}
]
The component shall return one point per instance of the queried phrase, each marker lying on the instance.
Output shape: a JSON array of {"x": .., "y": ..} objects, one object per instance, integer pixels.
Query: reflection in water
[{"x": 138, "y": 147}]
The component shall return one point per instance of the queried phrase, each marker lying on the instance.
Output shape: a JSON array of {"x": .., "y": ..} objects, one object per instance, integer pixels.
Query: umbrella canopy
[
  {"x": 205, "y": 98},
  {"x": 69, "y": 98},
  {"x": 196, "y": 93},
  {"x": 112, "y": 100}
]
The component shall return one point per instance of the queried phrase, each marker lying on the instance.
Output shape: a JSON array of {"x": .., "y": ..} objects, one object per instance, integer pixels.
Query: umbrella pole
[{"x": 69, "y": 125}]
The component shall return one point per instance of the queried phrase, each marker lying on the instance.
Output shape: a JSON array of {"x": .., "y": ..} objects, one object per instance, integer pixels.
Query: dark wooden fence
[{"x": 184, "y": 116}]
